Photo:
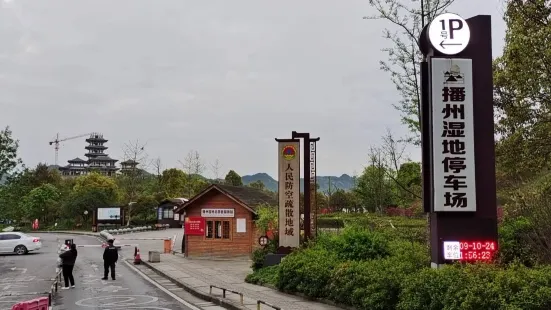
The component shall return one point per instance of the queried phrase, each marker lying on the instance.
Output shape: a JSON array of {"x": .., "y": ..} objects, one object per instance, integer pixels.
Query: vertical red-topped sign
[{"x": 194, "y": 225}]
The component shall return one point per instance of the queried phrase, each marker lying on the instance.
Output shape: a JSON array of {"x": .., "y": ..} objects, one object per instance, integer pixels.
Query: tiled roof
[
  {"x": 174, "y": 201},
  {"x": 102, "y": 158},
  {"x": 77, "y": 160},
  {"x": 250, "y": 197},
  {"x": 129, "y": 162}
]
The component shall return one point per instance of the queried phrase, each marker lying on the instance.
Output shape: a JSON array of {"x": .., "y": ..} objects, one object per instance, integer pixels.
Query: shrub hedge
[
  {"x": 355, "y": 244},
  {"x": 307, "y": 271},
  {"x": 380, "y": 266}
]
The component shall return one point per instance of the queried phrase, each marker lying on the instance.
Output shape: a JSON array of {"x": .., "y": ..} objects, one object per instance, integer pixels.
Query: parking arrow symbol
[{"x": 443, "y": 44}]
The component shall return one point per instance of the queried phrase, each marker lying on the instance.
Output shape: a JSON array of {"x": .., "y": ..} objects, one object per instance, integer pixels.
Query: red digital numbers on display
[{"x": 477, "y": 250}]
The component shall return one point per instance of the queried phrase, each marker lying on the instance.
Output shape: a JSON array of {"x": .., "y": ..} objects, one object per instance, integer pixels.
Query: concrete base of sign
[
  {"x": 436, "y": 266},
  {"x": 273, "y": 259}
]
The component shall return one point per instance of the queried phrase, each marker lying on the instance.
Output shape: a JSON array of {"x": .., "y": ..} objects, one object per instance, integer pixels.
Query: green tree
[
  {"x": 21, "y": 183},
  {"x": 267, "y": 217},
  {"x": 522, "y": 94},
  {"x": 409, "y": 178},
  {"x": 232, "y": 178},
  {"x": 8, "y": 152},
  {"x": 257, "y": 184},
  {"x": 41, "y": 174},
  {"x": 91, "y": 191},
  {"x": 375, "y": 189},
  {"x": 144, "y": 209},
  {"x": 174, "y": 183},
  {"x": 404, "y": 56},
  {"x": 339, "y": 201},
  {"x": 42, "y": 203}
]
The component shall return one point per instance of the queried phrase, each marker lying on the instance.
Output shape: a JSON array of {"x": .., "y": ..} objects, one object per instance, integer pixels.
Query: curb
[
  {"x": 216, "y": 300},
  {"x": 320, "y": 300},
  {"x": 67, "y": 233}
]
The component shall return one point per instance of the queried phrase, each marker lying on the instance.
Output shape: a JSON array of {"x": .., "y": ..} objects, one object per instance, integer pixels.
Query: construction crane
[{"x": 57, "y": 141}]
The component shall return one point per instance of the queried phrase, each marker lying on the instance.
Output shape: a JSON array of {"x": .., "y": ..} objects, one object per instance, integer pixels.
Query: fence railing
[
  {"x": 224, "y": 292},
  {"x": 39, "y": 302},
  {"x": 260, "y": 302}
]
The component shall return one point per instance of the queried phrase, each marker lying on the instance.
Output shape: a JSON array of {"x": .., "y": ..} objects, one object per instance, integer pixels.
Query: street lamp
[{"x": 85, "y": 218}]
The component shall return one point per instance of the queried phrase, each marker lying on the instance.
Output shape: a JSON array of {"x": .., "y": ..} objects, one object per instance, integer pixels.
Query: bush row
[
  {"x": 383, "y": 269},
  {"x": 405, "y": 283}
]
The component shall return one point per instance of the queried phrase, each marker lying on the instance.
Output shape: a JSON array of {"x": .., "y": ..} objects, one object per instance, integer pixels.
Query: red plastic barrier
[
  {"x": 35, "y": 304},
  {"x": 19, "y": 306}
]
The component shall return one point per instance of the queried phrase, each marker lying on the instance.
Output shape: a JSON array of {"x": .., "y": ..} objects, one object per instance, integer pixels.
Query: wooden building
[
  {"x": 225, "y": 214},
  {"x": 166, "y": 212}
]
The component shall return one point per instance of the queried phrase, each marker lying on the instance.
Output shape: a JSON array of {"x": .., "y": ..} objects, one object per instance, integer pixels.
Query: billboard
[{"x": 109, "y": 215}]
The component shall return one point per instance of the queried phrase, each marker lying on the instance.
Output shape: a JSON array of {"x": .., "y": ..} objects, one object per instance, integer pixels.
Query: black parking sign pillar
[{"x": 459, "y": 188}]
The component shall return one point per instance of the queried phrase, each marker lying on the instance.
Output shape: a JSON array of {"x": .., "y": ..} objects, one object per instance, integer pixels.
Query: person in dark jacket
[
  {"x": 110, "y": 257},
  {"x": 68, "y": 259}
]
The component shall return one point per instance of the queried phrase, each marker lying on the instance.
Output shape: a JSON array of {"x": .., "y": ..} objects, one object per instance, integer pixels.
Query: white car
[{"x": 18, "y": 243}]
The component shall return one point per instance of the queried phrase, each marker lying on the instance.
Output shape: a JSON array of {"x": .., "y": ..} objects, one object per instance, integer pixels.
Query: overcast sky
[{"x": 220, "y": 77}]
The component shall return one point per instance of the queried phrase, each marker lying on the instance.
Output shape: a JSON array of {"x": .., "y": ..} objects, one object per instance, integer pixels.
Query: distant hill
[{"x": 344, "y": 182}]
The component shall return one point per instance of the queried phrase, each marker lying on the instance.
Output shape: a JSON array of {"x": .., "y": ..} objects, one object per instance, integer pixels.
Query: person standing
[
  {"x": 110, "y": 258},
  {"x": 68, "y": 259}
]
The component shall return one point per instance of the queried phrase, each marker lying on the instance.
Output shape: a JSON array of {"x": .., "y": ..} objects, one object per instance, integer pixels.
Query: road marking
[
  {"x": 22, "y": 279},
  {"x": 14, "y": 285},
  {"x": 113, "y": 288},
  {"x": 180, "y": 300},
  {"x": 23, "y": 270},
  {"x": 118, "y": 301}
]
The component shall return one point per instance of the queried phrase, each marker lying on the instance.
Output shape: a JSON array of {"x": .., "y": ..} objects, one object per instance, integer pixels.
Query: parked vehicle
[{"x": 18, "y": 243}]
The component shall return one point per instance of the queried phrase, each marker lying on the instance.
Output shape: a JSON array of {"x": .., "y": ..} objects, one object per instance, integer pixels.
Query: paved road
[
  {"x": 129, "y": 291},
  {"x": 26, "y": 276}
]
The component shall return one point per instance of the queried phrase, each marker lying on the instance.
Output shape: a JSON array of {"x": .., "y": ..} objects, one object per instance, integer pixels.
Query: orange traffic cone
[{"x": 137, "y": 257}]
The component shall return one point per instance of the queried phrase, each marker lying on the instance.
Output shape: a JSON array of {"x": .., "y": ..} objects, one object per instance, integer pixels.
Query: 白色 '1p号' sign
[
  {"x": 453, "y": 135},
  {"x": 449, "y": 33},
  {"x": 289, "y": 191}
]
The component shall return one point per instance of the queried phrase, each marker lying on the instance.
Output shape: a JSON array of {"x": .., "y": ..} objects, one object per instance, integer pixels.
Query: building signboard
[
  {"x": 218, "y": 212},
  {"x": 453, "y": 135},
  {"x": 289, "y": 191}
]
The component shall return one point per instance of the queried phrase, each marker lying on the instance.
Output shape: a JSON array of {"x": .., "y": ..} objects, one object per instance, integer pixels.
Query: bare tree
[
  {"x": 330, "y": 191},
  {"x": 394, "y": 157},
  {"x": 193, "y": 166},
  {"x": 136, "y": 160},
  {"x": 404, "y": 55},
  {"x": 380, "y": 188},
  {"x": 158, "y": 170},
  {"x": 215, "y": 168}
]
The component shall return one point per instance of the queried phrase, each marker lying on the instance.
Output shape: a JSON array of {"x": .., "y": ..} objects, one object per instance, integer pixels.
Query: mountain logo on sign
[{"x": 454, "y": 75}]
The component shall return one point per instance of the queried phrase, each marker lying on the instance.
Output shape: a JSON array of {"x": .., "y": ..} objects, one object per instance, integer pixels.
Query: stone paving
[{"x": 198, "y": 274}]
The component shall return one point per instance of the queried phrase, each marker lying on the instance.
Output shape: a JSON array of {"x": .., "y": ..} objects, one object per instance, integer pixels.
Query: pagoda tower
[{"x": 98, "y": 160}]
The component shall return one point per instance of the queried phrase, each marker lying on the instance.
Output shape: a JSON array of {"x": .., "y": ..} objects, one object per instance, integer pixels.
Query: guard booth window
[
  {"x": 168, "y": 213},
  {"x": 217, "y": 230}
]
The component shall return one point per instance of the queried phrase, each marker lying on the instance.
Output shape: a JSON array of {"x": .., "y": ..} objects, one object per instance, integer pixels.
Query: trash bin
[
  {"x": 167, "y": 246},
  {"x": 154, "y": 257}
]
